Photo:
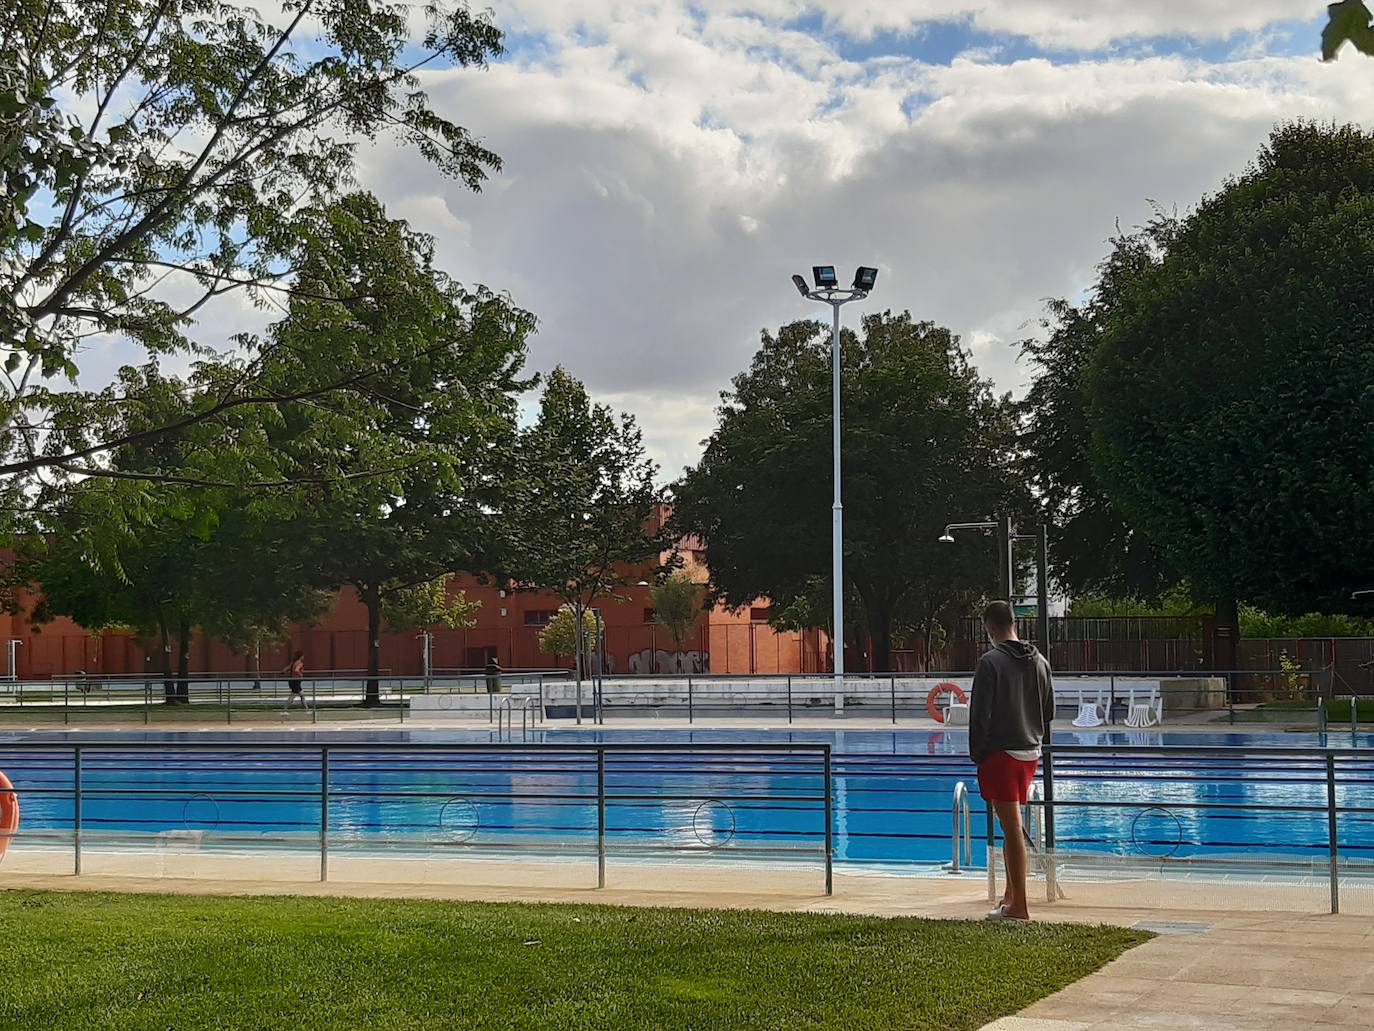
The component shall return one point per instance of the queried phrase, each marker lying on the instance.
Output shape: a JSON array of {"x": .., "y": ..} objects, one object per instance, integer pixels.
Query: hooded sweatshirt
[{"x": 1013, "y": 701}]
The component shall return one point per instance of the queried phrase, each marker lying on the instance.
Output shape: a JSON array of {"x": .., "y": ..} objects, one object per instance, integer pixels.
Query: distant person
[
  {"x": 1010, "y": 714},
  {"x": 295, "y": 672},
  {"x": 493, "y": 676}
]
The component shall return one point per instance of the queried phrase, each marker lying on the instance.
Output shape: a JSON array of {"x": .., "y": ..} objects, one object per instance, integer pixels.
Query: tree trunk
[
  {"x": 169, "y": 687},
  {"x": 880, "y": 641},
  {"x": 372, "y": 597},
  {"x": 184, "y": 662}
]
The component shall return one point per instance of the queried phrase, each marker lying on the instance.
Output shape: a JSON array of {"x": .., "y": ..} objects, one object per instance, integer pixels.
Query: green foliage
[
  {"x": 1229, "y": 395},
  {"x": 925, "y": 443},
  {"x": 428, "y": 605},
  {"x": 151, "y": 962},
  {"x": 580, "y": 504},
  {"x": 678, "y": 604},
  {"x": 1256, "y": 623},
  {"x": 180, "y": 141},
  {"x": 1348, "y": 21},
  {"x": 559, "y": 636},
  {"x": 1177, "y": 602}
]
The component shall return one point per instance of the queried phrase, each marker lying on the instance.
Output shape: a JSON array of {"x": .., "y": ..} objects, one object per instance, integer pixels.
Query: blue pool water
[{"x": 891, "y": 793}]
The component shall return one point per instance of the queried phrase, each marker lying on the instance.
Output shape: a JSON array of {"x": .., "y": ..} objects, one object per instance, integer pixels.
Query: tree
[
  {"x": 1347, "y": 21},
  {"x": 427, "y": 605},
  {"x": 925, "y": 443},
  {"x": 1229, "y": 398},
  {"x": 156, "y": 155},
  {"x": 407, "y": 474},
  {"x": 580, "y": 515},
  {"x": 1092, "y": 548},
  {"x": 558, "y": 636},
  {"x": 678, "y": 604}
]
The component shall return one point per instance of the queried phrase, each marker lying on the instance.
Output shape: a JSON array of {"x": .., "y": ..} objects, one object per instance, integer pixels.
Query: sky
[{"x": 669, "y": 165}]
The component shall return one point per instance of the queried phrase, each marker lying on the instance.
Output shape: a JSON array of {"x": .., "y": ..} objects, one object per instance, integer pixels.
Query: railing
[
  {"x": 960, "y": 835},
  {"x": 422, "y": 799}
]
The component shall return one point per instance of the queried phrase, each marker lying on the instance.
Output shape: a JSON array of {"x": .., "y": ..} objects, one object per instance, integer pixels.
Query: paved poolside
[{"x": 1228, "y": 956}]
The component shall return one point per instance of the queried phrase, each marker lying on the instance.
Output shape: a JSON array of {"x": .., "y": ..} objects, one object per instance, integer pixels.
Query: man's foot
[{"x": 1000, "y": 914}]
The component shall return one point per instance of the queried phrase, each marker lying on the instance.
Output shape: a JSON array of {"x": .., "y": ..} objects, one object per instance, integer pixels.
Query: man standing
[{"x": 1009, "y": 717}]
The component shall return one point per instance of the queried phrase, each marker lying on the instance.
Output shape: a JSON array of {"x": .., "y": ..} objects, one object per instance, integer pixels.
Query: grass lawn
[{"x": 90, "y": 962}]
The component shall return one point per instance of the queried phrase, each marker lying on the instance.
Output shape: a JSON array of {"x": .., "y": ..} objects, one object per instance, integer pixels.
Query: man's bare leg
[{"x": 1017, "y": 861}]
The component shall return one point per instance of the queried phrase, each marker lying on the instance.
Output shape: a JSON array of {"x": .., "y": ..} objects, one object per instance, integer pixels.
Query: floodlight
[
  {"x": 802, "y": 288},
  {"x": 948, "y": 538},
  {"x": 866, "y": 278},
  {"x": 825, "y": 277}
]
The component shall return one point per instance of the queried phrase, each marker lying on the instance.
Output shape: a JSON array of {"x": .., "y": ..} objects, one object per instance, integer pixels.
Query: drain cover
[{"x": 1171, "y": 927}]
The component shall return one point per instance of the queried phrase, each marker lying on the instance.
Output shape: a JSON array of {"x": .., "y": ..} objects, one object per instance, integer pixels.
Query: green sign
[{"x": 1025, "y": 611}]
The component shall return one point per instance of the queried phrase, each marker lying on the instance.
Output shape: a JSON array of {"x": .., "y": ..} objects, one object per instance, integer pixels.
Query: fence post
[
  {"x": 147, "y": 700},
  {"x": 893, "y": 681},
  {"x": 401, "y": 697},
  {"x": 1332, "y": 841},
  {"x": 66, "y": 691},
  {"x": 992, "y": 857},
  {"x": 601, "y": 817},
  {"x": 228, "y": 701},
  {"x": 690, "y": 703},
  {"x": 76, "y": 808},
  {"x": 1051, "y": 884},
  {"x": 1111, "y": 700},
  {"x": 324, "y": 812},
  {"x": 789, "y": 699},
  {"x": 829, "y": 828}
]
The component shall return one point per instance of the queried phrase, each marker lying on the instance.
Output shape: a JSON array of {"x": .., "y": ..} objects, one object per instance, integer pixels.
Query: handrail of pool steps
[
  {"x": 960, "y": 835},
  {"x": 335, "y": 761}
]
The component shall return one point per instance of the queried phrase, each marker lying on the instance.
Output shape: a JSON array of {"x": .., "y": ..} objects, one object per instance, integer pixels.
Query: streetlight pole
[
  {"x": 828, "y": 291},
  {"x": 1006, "y": 536}
]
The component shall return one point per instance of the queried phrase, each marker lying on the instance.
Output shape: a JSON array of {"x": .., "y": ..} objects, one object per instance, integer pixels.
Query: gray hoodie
[{"x": 1013, "y": 701}]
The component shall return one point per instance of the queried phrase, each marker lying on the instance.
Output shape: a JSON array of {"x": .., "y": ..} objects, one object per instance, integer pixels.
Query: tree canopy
[
  {"x": 158, "y": 155},
  {"x": 1229, "y": 395},
  {"x": 925, "y": 443}
]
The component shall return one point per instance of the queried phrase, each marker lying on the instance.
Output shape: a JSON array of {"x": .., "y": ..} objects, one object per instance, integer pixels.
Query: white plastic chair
[
  {"x": 1148, "y": 712},
  {"x": 957, "y": 714},
  {"x": 1089, "y": 715}
]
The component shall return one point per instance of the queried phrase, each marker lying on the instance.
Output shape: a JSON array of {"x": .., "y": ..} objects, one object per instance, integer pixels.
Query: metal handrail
[{"x": 960, "y": 806}]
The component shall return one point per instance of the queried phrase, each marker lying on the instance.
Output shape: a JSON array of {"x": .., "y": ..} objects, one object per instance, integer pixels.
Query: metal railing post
[
  {"x": 992, "y": 857},
  {"x": 893, "y": 681},
  {"x": 690, "y": 710},
  {"x": 314, "y": 701},
  {"x": 1332, "y": 840},
  {"x": 147, "y": 701},
  {"x": 789, "y": 699},
  {"x": 829, "y": 827},
  {"x": 228, "y": 701},
  {"x": 66, "y": 691},
  {"x": 76, "y": 809},
  {"x": 601, "y": 817},
  {"x": 324, "y": 812},
  {"x": 541, "y": 697},
  {"x": 1051, "y": 874}
]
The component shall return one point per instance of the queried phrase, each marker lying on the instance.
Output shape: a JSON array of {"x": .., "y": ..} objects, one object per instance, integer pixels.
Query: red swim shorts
[{"x": 1004, "y": 779}]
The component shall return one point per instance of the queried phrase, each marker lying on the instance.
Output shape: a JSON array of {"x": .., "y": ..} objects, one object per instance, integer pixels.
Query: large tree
[
  {"x": 155, "y": 155},
  {"x": 1093, "y": 549},
  {"x": 408, "y": 472},
  {"x": 925, "y": 443},
  {"x": 1229, "y": 395},
  {"x": 580, "y": 507}
]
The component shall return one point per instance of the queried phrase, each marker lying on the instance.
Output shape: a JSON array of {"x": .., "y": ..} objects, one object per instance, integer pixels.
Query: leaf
[{"x": 1349, "y": 22}]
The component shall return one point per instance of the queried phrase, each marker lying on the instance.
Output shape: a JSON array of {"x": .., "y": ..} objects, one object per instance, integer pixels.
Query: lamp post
[
  {"x": 828, "y": 291},
  {"x": 1006, "y": 535}
]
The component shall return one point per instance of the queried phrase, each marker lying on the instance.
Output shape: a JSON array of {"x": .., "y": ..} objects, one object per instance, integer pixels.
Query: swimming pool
[{"x": 891, "y": 792}]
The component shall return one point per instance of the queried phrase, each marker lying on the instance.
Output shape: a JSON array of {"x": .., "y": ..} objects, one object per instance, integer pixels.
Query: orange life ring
[
  {"x": 9, "y": 812},
  {"x": 935, "y": 692}
]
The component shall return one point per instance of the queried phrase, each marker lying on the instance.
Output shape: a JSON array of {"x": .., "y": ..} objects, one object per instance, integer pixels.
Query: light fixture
[
  {"x": 866, "y": 278},
  {"x": 801, "y": 286},
  {"x": 948, "y": 538},
  {"x": 825, "y": 277}
]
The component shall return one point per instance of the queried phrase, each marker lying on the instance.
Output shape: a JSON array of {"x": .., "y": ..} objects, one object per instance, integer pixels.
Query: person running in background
[
  {"x": 295, "y": 671},
  {"x": 1010, "y": 714}
]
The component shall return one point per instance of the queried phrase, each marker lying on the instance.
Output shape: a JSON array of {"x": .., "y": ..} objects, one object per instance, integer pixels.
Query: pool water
[{"x": 891, "y": 793}]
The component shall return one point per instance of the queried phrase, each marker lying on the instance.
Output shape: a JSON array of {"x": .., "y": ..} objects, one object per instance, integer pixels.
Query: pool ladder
[
  {"x": 505, "y": 718},
  {"x": 961, "y": 841}
]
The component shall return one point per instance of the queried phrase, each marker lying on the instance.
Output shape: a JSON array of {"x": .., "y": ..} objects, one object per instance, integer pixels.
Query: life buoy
[
  {"x": 9, "y": 812},
  {"x": 935, "y": 692}
]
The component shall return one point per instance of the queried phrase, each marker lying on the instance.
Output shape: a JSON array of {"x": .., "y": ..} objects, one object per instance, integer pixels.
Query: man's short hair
[{"x": 999, "y": 616}]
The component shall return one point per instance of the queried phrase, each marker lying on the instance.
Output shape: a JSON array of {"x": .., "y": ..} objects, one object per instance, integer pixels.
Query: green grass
[{"x": 133, "y": 962}]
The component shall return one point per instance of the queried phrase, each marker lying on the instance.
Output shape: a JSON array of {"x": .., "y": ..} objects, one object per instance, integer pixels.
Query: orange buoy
[
  {"x": 9, "y": 812},
  {"x": 935, "y": 692}
]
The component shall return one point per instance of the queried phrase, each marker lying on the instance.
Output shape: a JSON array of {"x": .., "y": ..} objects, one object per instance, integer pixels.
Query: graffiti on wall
[{"x": 650, "y": 661}]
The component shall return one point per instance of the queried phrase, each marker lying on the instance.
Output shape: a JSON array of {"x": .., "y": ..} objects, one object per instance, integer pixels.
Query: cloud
[{"x": 666, "y": 172}]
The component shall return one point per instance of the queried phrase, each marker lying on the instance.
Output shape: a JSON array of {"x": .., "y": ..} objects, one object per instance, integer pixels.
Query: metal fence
[{"x": 450, "y": 800}]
